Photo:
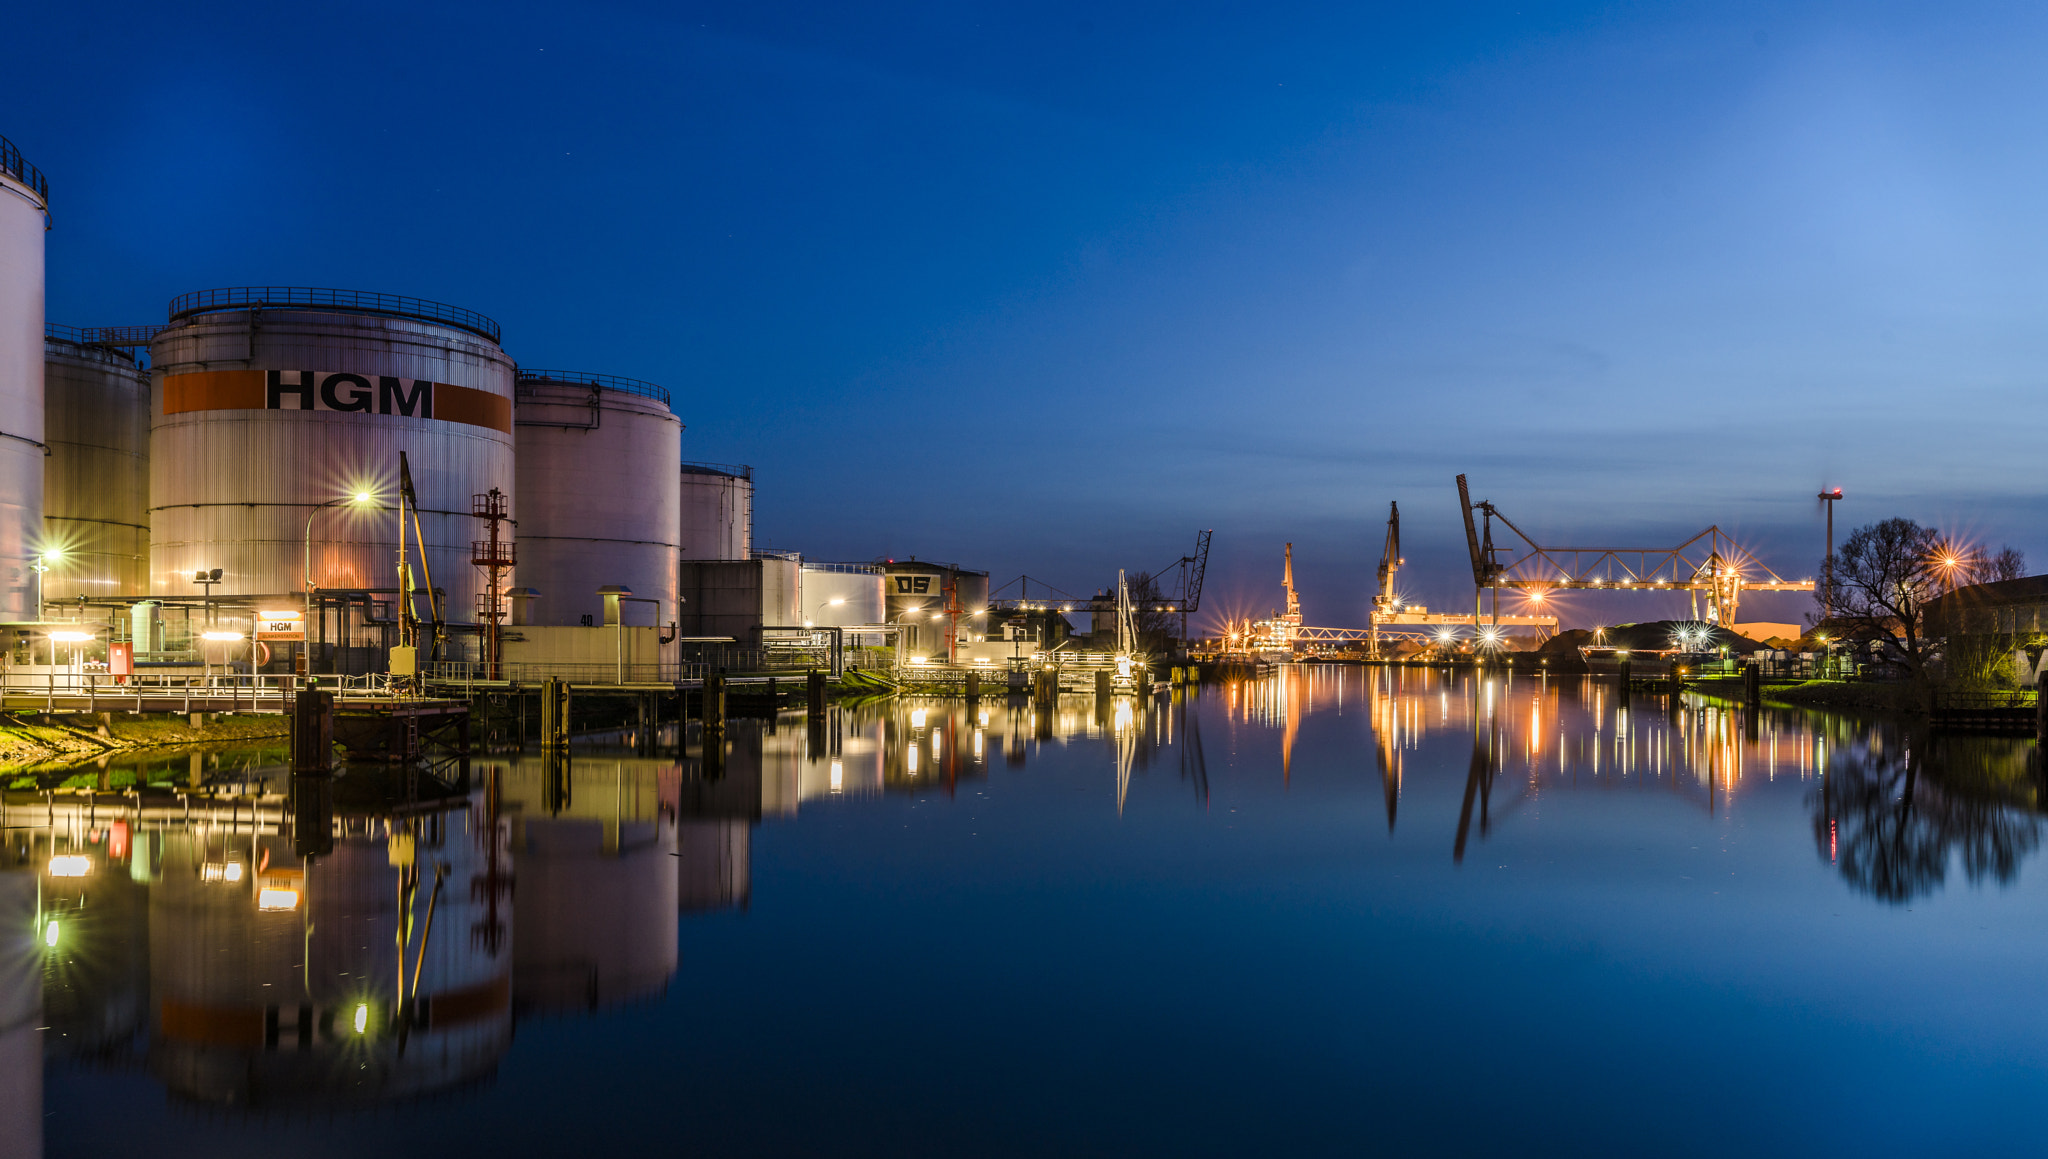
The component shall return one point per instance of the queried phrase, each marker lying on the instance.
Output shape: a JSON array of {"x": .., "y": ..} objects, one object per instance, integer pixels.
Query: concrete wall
[{"x": 737, "y": 597}]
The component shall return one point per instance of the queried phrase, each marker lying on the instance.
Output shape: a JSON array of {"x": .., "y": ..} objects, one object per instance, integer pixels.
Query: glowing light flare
[
  {"x": 50, "y": 933},
  {"x": 220, "y": 637},
  {"x": 71, "y": 637},
  {"x": 362, "y": 1018},
  {"x": 838, "y": 775},
  {"x": 70, "y": 865},
  {"x": 917, "y": 718},
  {"x": 277, "y": 899}
]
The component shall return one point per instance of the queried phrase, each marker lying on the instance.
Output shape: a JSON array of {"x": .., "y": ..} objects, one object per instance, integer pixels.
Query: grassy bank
[{"x": 30, "y": 739}]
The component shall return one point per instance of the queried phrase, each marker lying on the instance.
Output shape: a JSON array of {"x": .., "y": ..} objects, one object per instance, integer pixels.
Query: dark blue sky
[{"x": 1045, "y": 289}]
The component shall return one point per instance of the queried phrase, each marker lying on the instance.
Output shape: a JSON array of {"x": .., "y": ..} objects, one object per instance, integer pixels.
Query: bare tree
[
  {"x": 2009, "y": 564},
  {"x": 1883, "y": 578}
]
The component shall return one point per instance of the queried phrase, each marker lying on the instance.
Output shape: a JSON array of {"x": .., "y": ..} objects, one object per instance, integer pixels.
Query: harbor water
[{"x": 1337, "y": 910}]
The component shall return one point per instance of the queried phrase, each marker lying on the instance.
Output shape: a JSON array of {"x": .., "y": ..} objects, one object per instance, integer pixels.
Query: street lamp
[
  {"x": 42, "y": 566},
  {"x": 834, "y": 602}
]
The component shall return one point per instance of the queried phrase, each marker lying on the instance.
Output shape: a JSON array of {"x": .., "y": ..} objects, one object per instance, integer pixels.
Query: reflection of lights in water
[
  {"x": 1123, "y": 716},
  {"x": 277, "y": 899},
  {"x": 50, "y": 933},
  {"x": 234, "y": 871},
  {"x": 913, "y": 751},
  {"x": 917, "y": 718},
  {"x": 935, "y": 744},
  {"x": 982, "y": 720},
  {"x": 362, "y": 1018},
  {"x": 977, "y": 740},
  {"x": 838, "y": 775},
  {"x": 70, "y": 865}
]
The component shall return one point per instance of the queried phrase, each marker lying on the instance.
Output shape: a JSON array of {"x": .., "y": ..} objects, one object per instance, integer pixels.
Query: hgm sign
[{"x": 335, "y": 392}]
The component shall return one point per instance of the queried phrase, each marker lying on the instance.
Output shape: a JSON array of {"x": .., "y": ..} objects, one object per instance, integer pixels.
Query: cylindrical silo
[
  {"x": 592, "y": 510},
  {"x": 274, "y": 407},
  {"x": 718, "y": 511},
  {"x": 96, "y": 479},
  {"x": 24, "y": 204}
]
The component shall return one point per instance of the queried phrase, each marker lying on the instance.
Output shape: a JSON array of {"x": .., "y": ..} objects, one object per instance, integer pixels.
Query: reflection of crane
[{"x": 1709, "y": 562}]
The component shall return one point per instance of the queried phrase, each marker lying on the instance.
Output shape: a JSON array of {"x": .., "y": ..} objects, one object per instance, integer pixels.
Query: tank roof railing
[
  {"x": 118, "y": 337},
  {"x": 848, "y": 568},
  {"x": 730, "y": 470},
  {"x": 357, "y": 301},
  {"x": 604, "y": 381},
  {"x": 16, "y": 166}
]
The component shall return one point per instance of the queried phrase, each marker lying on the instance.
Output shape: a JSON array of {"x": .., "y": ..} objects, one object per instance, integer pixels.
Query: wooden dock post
[
  {"x": 1624, "y": 680},
  {"x": 814, "y": 693},
  {"x": 973, "y": 687}
]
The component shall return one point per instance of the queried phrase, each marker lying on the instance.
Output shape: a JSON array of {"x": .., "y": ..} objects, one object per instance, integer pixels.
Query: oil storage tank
[
  {"x": 594, "y": 455},
  {"x": 96, "y": 478},
  {"x": 24, "y": 205},
  {"x": 718, "y": 511},
  {"x": 274, "y": 406}
]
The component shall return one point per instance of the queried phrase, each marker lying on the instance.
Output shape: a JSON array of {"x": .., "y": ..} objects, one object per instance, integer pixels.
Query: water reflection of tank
[
  {"x": 21, "y": 1009},
  {"x": 596, "y": 903},
  {"x": 714, "y": 864},
  {"x": 96, "y": 974},
  {"x": 276, "y": 983}
]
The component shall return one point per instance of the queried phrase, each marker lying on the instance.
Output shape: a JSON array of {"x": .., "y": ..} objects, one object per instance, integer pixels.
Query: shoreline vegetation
[{"x": 29, "y": 740}]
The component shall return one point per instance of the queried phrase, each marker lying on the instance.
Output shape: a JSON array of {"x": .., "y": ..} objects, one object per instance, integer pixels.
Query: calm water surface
[{"x": 1333, "y": 912}]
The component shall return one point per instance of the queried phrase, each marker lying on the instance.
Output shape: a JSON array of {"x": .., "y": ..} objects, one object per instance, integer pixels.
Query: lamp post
[
  {"x": 358, "y": 498},
  {"x": 42, "y": 567},
  {"x": 831, "y": 603}
]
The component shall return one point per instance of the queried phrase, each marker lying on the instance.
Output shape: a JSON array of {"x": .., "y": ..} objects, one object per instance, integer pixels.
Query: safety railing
[
  {"x": 193, "y": 692},
  {"x": 729, "y": 470},
  {"x": 17, "y": 167},
  {"x": 362, "y": 301},
  {"x": 586, "y": 378}
]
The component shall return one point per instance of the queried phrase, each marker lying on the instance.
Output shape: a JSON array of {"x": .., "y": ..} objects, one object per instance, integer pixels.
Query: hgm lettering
[{"x": 349, "y": 393}]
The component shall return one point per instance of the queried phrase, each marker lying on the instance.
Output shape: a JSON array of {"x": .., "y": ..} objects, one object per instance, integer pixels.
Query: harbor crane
[
  {"x": 1709, "y": 563},
  {"x": 1419, "y": 622},
  {"x": 1187, "y": 595}
]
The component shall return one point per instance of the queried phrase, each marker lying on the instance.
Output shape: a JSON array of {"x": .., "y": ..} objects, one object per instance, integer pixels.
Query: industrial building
[{"x": 379, "y": 469}]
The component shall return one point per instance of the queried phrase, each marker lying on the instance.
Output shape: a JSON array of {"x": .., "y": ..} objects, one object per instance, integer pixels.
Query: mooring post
[
  {"x": 2040, "y": 715},
  {"x": 714, "y": 703},
  {"x": 814, "y": 693},
  {"x": 1101, "y": 684},
  {"x": 312, "y": 785},
  {"x": 973, "y": 687},
  {"x": 1624, "y": 680}
]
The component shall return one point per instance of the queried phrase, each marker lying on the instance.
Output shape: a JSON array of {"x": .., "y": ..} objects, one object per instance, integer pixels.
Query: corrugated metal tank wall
[
  {"x": 24, "y": 198},
  {"x": 717, "y": 511},
  {"x": 270, "y": 404},
  {"x": 593, "y": 452},
  {"x": 96, "y": 479}
]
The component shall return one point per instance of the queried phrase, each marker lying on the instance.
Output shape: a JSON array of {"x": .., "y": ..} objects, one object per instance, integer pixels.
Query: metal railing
[
  {"x": 103, "y": 692},
  {"x": 585, "y": 378},
  {"x": 16, "y": 166},
  {"x": 729, "y": 470},
  {"x": 848, "y": 568},
  {"x": 368, "y": 302}
]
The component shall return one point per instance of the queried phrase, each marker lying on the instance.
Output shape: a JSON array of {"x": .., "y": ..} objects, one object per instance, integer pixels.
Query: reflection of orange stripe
[
  {"x": 481, "y": 408},
  {"x": 212, "y": 1025},
  {"x": 473, "y": 1004},
  {"x": 214, "y": 390}
]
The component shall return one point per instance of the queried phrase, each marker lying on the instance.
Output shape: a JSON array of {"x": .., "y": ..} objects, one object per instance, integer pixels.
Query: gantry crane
[
  {"x": 1386, "y": 605},
  {"x": 1710, "y": 562}
]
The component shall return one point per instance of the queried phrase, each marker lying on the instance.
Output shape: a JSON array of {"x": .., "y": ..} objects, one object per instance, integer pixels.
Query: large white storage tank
[
  {"x": 592, "y": 450},
  {"x": 838, "y": 595},
  {"x": 273, "y": 406},
  {"x": 96, "y": 479},
  {"x": 718, "y": 511},
  {"x": 24, "y": 205}
]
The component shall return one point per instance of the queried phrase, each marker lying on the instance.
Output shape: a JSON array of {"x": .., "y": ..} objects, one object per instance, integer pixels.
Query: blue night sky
[{"x": 1045, "y": 288}]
